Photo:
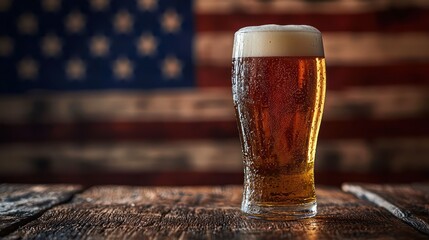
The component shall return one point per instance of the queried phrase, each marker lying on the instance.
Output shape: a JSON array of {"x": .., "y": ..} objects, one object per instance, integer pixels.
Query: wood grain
[
  {"x": 409, "y": 203},
  {"x": 20, "y": 204},
  {"x": 205, "y": 213}
]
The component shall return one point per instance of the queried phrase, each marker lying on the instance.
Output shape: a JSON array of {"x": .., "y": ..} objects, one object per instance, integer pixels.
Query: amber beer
[{"x": 278, "y": 79}]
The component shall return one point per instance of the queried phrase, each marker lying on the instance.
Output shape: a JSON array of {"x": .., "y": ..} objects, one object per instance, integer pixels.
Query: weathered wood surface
[
  {"x": 20, "y": 204},
  {"x": 409, "y": 203},
  {"x": 117, "y": 212}
]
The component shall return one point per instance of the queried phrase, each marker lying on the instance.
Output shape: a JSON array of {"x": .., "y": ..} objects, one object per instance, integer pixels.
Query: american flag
[{"x": 143, "y": 86}]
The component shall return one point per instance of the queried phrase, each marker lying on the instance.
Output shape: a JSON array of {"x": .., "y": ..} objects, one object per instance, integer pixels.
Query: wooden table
[{"x": 356, "y": 211}]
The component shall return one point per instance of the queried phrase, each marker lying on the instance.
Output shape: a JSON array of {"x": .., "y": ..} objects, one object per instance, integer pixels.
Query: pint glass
[{"x": 278, "y": 84}]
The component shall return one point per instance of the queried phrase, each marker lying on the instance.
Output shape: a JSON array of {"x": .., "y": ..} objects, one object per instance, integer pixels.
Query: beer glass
[{"x": 278, "y": 84}]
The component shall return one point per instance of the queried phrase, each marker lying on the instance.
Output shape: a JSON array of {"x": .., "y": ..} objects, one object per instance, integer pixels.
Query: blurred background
[{"x": 139, "y": 91}]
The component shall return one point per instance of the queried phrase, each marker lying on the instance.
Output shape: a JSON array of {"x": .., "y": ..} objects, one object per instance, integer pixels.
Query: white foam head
[{"x": 277, "y": 40}]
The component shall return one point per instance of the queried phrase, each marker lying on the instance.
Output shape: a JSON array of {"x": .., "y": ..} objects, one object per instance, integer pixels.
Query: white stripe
[
  {"x": 200, "y": 105},
  {"x": 206, "y": 155},
  {"x": 381, "y": 102},
  {"x": 177, "y": 105},
  {"x": 300, "y": 6},
  {"x": 390, "y": 155},
  {"x": 135, "y": 157},
  {"x": 341, "y": 48}
]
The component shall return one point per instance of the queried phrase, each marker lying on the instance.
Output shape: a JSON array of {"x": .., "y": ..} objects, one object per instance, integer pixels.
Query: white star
[
  {"x": 123, "y": 68},
  {"x": 6, "y": 46},
  {"x": 123, "y": 22},
  {"x": 4, "y": 5},
  {"x": 147, "y": 5},
  {"x": 28, "y": 68},
  {"x": 75, "y": 22},
  {"x": 75, "y": 69},
  {"x": 171, "y": 67},
  {"x": 99, "y": 5},
  {"x": 99, "y": 46},
  {"x": 27, "y": 24},
  {"x": 51, "y": 45},
  {"x": 147, "y": 44},
  {"x": 171, "y": 21},
  {"x": 51, "y": 5}
]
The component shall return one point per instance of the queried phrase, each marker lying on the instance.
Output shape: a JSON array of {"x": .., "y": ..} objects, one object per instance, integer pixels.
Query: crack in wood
[
  {"x": 382, "y": 196},
  {"x": 29, "y": 202}
]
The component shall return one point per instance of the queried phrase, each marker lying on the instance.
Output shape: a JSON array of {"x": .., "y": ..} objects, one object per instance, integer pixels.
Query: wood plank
[
  {"x": 338, "y": 77},
  {"x": 411, "y": 19},
  {"x": 370, "y": 129},
  {"x": 208, "y": 104},
  {"x": 346, "y": 48},
  {"x": 407, "y": 202},
  {"x": 20, "y": 204},
  {"x": 118, "y": 105},
  {"x": 205, "y": 213},
  {"x": 118, "y": 131},
  {"x": 204, "y": 155},
  {"x": 157, "y": 131},
  {"x": 300, "y": 7}
]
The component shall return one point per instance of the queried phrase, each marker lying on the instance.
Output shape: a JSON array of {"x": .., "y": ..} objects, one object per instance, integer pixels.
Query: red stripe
[
  {"x": 393, "y": 20},
  {"x": 117, "y": 131},
  {"x": 338, "y": 77},
  {"x": 399, "y": 74},
  {"x": 154, "y": 131},
  {"x": 370, "y": 129}
]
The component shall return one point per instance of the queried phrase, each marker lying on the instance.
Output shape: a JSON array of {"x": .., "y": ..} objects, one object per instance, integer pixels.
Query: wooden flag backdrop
[{"x": 375, "y": 125}]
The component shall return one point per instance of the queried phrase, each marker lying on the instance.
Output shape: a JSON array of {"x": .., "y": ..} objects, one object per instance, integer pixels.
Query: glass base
[{"x": 278, "y": 213}]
